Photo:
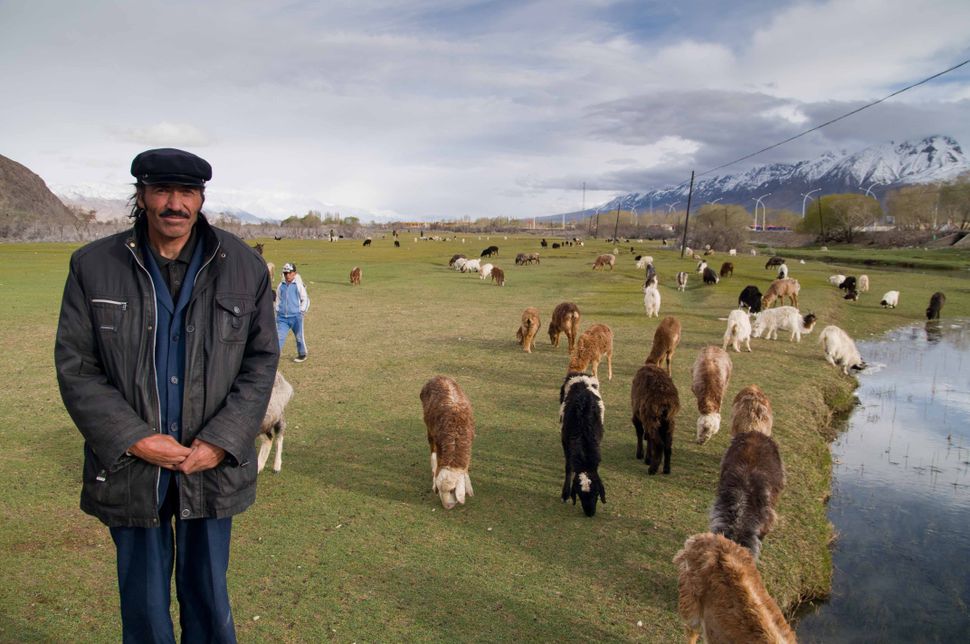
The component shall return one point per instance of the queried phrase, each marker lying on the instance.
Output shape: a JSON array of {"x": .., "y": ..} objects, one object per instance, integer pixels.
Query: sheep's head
[
  {"x": 808, "y": 323},
  {"x": 589, "y": 488},
  {"x": 452, "y": 486},
  {"x": 707, "y": 426}
]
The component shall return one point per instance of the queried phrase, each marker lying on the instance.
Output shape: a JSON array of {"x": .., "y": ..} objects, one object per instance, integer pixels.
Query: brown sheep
[
  {"x": 355, "y": 275},
  {"x": 595, "y": 342},
  {"x": 710, "y": 376},
  {"x": 780, "y": 289},
  {"x": 655, "y": 403},
  {"x": 526, "y": 335},
  {"x": 565, "y": 319},
  {"x": 604, "y": 260},
  {"x": 751, "y": 412},
  {"x": 451, "y": 429},
  {"x": 721, "y": 594},
  {"x": 665, "y": 341},
  {"x": 727, "y": 268},
  {"x": 498, "y": 276}
]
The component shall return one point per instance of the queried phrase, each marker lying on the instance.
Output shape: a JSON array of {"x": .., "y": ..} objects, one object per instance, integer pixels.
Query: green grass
[{"x": 349, "y": 544}]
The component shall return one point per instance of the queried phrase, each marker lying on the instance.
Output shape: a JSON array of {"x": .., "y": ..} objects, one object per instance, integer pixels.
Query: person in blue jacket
[{"x": 292, "y": 304}]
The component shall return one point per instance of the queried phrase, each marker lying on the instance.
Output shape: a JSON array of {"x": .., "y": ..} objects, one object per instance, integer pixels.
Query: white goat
[
  {"x": 836, "y": 280},
  {"x": 733, "y": 252},
  {"x": 890, "y": 299},
  {"x": 785, "y": 318},
  {"x": 651, "y": 300},
  {"x": 840, "y": 350},
  {"x": 485, "y": 271},
  {"x": 459, "y": 264},
  {"x": 274, "y": 424},
  {"x": 471, "y": 266},
  {"x": 738, "y": 330},
  {"x": 863, "y": 285}
]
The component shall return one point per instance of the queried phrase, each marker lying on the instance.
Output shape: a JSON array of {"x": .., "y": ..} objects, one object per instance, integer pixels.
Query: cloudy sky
[{"x": 458, "y": 108}]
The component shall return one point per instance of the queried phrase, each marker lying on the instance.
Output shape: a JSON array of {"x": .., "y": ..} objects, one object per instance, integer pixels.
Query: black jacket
[{"x": 105, "y": 362}]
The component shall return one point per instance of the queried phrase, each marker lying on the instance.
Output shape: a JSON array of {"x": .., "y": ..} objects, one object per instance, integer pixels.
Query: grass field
[{"x": 348, "y": 543}]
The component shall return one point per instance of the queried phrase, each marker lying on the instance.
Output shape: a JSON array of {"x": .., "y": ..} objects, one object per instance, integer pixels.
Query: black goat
[
  {"x": 544, "y": 243},
  {"x": 581, "y": 413},
  {"x": 775, "y": 261},
  {"x": 937, "y": 300},
  {"x": 848, "y": 284},
  {"x": 491, "y": 250},
  {"x": 750, "y": 298},
  {"x": 397, "y": 244},
  {"x": 367, "y": 242},
  {"x": 655, "y": 403}
]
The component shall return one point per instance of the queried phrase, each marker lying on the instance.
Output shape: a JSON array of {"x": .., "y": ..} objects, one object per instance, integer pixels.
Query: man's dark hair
[{"x": 137, "y": 211}]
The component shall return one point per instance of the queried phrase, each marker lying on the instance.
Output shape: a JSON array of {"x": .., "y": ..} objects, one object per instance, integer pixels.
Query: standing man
[
  {"x": 291, "y": 304},
  {"x": 166, "y": 355}
]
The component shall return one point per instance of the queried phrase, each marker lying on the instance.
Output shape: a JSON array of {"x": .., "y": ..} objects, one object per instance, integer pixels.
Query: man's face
[
  {"x": 289, "y": 277},
  {"x": 171, "y": 210}
]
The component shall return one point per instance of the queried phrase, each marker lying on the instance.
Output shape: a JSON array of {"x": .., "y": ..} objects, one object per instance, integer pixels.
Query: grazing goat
[
  {"x": 451, "y": 430},
  {"x": 565, "y": 319},
  {"x": 643, "y": 260},
  {"x": 752, "y": 478},
  {"x": 470, "y": 266},
  {"x": 455, "y": 258},
  {"x": 722, "y": 597},
  {"x": 273, "y": 426},
  {"x": 665, "y": 341},
  {"x": 498, "y": 276},
  {"x": 655, "y": 403},
  {"x": 651, "y": 300},
  {"x": 937, "y": 300},
  {"x": 733, "y": 252},
  {"x": 751, "y": 412},
  {"x": 890, "y": 299},
  {"x": 852, "y": 295},
  {"x": 397, "y": 244},
  {"x": 355, "y": 276},
  {"x": 544, "y": 243},
  {"x": 488, "y": 252},
  {"x": 459, "y": 264},
  {"x": 738, "y": 330},
  {"x": 596, "y": 342},
  {"x": 727, "y": 268},
  {"x": 682, "y": 280},
  {"x": 836, "y": 280},
  {"x": 710, "y": 277},
  {"x": 485, "y": 271},
  {"x": 774, "y": 261},
  {"x": 783, "y": 271},
  {"x": 701, "y": 266},
  {"x": 863, "y": 283},
  {"x": 526, "y": 335},
  {"x": 780, "y": 289},
  {"x": 520, "y": 259},
  {"x": 840, "y": 349},
  {"x": 750, "y": 298},
  {"x": 581, "y": 414},
  {"x": 784, "y": 318},
  {"x": 848, "y": 284},
  {"x": 604, "y": 260},
  {"x": 710, "y": 376},
  {"x": 367, "y": 241},
  {"x": 555, "y": 244}
]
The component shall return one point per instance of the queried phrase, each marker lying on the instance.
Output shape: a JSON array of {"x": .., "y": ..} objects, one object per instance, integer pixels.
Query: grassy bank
[{"x": 349, "y": 544}]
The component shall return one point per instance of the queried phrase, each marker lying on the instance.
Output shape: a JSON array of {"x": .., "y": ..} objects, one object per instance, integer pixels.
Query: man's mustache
[{"x": 173, "y": 214}]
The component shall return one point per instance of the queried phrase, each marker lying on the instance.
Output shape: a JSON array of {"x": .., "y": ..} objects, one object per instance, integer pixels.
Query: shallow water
[{"x": 901, "y": 495}]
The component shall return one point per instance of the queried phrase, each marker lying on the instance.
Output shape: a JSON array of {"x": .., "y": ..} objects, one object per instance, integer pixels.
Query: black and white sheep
[{"x": 581, "y": 413}]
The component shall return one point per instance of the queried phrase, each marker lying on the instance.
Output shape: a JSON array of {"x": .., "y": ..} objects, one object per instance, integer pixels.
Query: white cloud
[{"x": 165, "y": 134}]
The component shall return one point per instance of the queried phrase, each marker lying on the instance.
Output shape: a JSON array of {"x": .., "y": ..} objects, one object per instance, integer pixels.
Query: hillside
[{"x": 25, "y": 200}]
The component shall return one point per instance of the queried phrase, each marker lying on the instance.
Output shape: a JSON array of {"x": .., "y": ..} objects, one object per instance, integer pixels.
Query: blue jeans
[
  {"x": 200, "y": 554},
  {"x": 284, "y": 324}
]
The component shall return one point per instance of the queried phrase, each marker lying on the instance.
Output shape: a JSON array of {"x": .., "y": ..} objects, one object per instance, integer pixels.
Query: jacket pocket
[
  {"x": 108, "y": 314},
  {"x": 234, "y": 313},
  {"x": 107, "y": 488}
]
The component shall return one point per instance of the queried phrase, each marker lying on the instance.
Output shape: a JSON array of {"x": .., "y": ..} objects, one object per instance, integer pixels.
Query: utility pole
[
  {"x": 617, "y": 224},
  {"x": 690, "y": 193},
  {"x": 821, "y": 231}
]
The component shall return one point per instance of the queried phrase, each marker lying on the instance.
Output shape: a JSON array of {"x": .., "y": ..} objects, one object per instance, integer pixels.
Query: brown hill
[{"x": 26, "y": 202}]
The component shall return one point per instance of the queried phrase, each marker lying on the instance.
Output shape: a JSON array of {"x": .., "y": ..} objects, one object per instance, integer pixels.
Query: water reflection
[{"x": 901, "y": 495}]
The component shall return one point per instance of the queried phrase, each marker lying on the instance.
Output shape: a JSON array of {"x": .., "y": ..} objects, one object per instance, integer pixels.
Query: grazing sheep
[
  {"x": 752, "y": 478},
  {"x": 701, "y": 266},
  {"x": 863, "y": 283},
  {"x": 273, "y": 427},
  {"x": 565, "y": 319},
  {"x": 498, "y": 276},
  {"x": 555, "y": 245},
  {"x": 665, "y": 341},
  {"x": 750, "y": 298},
  {"x": 682, "y": 280},
  {"x": 890, "y": 299},
  {"x": 355, "y": 276},
  {"x": 738, "y": 330},
  {"x": 780, "y": 289},
  {"x": 655, "y": 403},
  {"x": 544, "y": 243},
  {"x": 484, "y": 271},
  {"x": 722, "y": 597},
  {"x": 595, "y": 342},
  {"x": 651, "y": 300},
  {"x": 471, "y": 266},
  {"x": 488, "y": 252},
  {"x": 836, "y": 280},
  {"x": 710, "y": 376},
  {"x": 733, "y": 252},
  {"x": 367, "y": 242},
  {"x": 643, "y": 260},
  {"x": 937, "y": 300},
  {"x": 840, "y": 350},
  {"x": 520, "y": 259},
  {"x": 774, "y": 261},
  {"x": 581, "y": 412},
  {"x": 751, "y": 412},
  {"x": 848, "y": 284},
  {"x": 532, "y": 258},
  {"x": 604, "y": 260},
  {"x": 526, "y": 335},
  {"x": 451, "y": 430},
  {"x": 727, "y": 268},
  {"x": 710, "y": 277},
  {"x": 852, "y": 295},
  {"x": 784, "y": 318},
  {"x": 458, "y": 263},
  {"x": 783, "y": 271}
]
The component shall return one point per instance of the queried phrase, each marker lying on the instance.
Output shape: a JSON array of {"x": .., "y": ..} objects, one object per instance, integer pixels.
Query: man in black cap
[{"x": 166, "y": 354}]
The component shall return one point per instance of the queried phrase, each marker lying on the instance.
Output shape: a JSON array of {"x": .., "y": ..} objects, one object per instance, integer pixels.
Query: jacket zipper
[{"x": 123, "y": 305}]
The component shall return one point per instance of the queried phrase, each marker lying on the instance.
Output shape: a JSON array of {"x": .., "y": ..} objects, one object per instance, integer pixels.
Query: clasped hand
[{"x": 166, "y": 452}]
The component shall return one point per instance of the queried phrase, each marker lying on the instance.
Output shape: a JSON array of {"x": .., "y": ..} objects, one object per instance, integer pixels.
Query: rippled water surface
[{"x": 901, "y": 495}]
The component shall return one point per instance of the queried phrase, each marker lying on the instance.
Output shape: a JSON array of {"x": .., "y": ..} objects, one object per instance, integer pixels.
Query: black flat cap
[{"x": 169, "y": 165}]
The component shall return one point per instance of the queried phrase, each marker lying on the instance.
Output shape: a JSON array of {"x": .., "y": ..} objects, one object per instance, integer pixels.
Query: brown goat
[
  {"x": 451, "y": 429},
  {"x": 498, "y": 276},
  {"x": 710, "y": 376},
  {"x": 565, "y": 319},
  {"x": 355, "y": 275},
  {"x": 665, "y": 341},
  {"x": 595, "y": 342},
  {"x": 526, "y": 335},
  {"x": 604, "y": 260},
  {"x": 780, "y": 289},
  {"x": 655, "y": 403},
  {"x": 721, "y": 595},
  {"x": 752, "y": 412},
  {"x": 727, "y": 268}
]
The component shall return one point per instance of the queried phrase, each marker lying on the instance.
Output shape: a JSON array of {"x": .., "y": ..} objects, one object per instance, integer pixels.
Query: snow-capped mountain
[{"x": 879, "y": 168}]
